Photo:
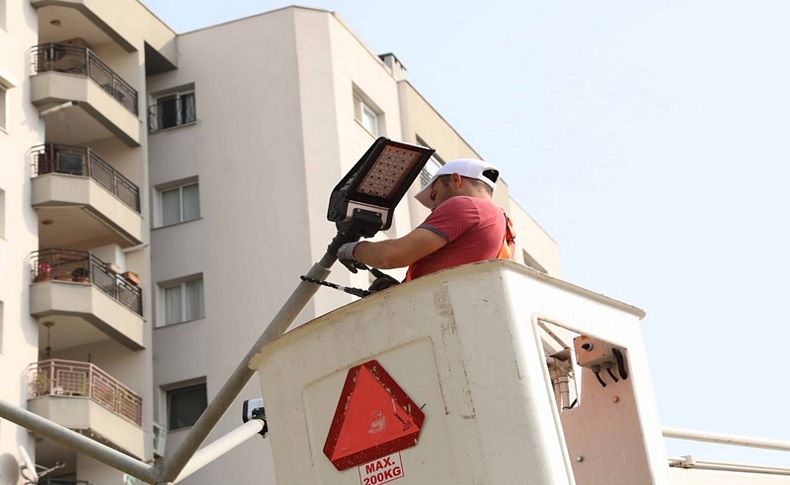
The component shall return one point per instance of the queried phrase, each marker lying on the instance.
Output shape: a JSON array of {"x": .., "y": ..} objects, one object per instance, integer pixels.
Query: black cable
[
  {"x": 572, "y": 404},
  {"x": 353, "y": 291},
  {"x": 609, "y": 370},
  {"x": 598, "y": 376},
  {"x": 620, "y": 362}
]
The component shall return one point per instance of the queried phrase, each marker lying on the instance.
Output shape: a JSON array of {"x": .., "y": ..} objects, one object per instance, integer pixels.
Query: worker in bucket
[{"x": 464, "y": 227}]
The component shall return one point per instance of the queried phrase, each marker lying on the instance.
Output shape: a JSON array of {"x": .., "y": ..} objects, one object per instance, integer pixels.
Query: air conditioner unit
[{"x": 160, "y": 440}]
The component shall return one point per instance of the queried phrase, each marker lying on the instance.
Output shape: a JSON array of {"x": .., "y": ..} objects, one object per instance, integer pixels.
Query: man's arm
[{"x": 397, "y": 253}]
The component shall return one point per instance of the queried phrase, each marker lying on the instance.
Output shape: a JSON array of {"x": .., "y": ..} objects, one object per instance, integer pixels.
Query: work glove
[
  {"x": 382, "y": 283},
  {"x": 345, "y": 254}
]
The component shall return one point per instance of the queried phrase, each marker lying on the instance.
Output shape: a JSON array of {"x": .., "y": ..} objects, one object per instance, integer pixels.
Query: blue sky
[{"x": 650, "y": 139}]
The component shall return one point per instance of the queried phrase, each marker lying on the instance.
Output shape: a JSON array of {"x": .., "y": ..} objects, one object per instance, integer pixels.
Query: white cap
[{"x": 465, "y": 167}]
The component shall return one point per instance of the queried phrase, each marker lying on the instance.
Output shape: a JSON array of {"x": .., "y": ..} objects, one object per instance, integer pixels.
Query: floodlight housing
[{"x": 364, "y": 201}]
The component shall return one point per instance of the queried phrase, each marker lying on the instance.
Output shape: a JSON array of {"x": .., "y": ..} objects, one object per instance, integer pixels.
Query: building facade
[{"x": 161, "y": 196}]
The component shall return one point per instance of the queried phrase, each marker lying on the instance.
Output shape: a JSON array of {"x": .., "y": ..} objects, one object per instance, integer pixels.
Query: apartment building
[
  {"x": 162, "y": 194},
  {"x": 74, "y": 244}
]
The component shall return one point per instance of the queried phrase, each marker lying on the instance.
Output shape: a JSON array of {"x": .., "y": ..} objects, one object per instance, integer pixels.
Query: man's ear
[{"x": 456, "y": 181}]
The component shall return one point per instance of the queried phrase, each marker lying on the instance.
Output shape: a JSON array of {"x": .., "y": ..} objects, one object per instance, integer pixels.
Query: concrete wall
[
  {"x": 246, "y": 151},
  {"x": 18, "y": 330}
]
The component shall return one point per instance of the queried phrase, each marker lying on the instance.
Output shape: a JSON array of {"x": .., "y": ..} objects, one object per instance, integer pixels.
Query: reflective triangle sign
[{"x": 374, "y": 418}]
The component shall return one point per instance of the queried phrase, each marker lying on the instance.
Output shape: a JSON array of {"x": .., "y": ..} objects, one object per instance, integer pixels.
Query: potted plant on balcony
[
  {"x": 132, "y": 277},
  {"x": 43, "y": 271},
  {"x": 42, "y": 384}
]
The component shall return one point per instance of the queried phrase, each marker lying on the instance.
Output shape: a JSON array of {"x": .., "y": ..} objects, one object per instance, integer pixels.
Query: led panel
[{"x": 389, "y": 171}]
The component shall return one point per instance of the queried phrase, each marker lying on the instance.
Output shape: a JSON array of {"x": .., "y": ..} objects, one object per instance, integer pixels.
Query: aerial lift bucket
[{"x": 446, "y": 380}]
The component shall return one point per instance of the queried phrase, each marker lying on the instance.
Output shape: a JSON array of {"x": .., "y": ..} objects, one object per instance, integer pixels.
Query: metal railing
[
  {"x": 56, "y": 377},
  {"x": 84, "y": 267},
  {"x": 84, "y": 162},
  {"x": 726, "y": 439},
  {"x": 81, "y": 60}
]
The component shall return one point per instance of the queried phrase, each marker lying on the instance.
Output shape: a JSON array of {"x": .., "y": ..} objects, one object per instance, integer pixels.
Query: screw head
[
  {"x": 579, "y": 459},
  {"x": 615, "y": 399}
]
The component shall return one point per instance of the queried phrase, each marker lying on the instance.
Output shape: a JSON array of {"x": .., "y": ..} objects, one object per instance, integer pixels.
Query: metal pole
[
  {"x": 74, "y": 440},
  {"x": 688, "y": 462},
  {"x": 211, "y": 452},
  {"x": 725, "y": 439},
  {"x": 173, "y": 465}
]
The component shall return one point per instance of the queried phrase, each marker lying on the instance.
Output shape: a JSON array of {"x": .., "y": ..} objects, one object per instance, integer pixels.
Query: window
[
  {"x": 185, "y": 405},
  {"x": 180, "y": 203},
  {"x": 3, "y": 93},
  {"x": 431, "y": 166},
  {"x": 367, "y": 115},
  {"x": 171, "y": 110},
  {"x": 183, "y": 301}
]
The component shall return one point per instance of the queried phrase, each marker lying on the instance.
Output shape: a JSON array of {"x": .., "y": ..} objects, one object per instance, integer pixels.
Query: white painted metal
[
  {"x": 211, "y": 452},
  {"x": 726, "y": 439},
  {"x": 688, "y": 461},
  {"x": 466, "y": 345}
]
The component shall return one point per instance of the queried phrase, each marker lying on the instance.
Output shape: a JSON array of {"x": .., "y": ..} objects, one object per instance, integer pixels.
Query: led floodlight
[{"x": 363, "y": 202}]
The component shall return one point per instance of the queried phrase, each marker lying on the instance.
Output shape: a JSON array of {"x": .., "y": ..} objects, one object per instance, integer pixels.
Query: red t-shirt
[{"x": 474, "y": 229}]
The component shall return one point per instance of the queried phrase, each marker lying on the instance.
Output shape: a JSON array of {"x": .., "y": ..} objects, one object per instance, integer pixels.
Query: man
[{"x": 464, "y": 225}]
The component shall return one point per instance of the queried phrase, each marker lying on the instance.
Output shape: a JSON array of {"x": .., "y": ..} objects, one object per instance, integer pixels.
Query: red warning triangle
[{"x": 374, "y": 418}]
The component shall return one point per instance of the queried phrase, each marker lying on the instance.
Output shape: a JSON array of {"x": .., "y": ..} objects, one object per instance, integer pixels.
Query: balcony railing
[
  {"x": 84, "y": 162},
  {"x": 55, "y": 377},
  {"x": 84, "y": 267},
  {"x": 81, "y": 60}
]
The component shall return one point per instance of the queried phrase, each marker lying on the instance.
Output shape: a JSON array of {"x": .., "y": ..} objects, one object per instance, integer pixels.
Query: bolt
[
  {"x": 579, "y": 459},
  {"x": 587, "y": 346},
  {"x": 615, "y": 398}
]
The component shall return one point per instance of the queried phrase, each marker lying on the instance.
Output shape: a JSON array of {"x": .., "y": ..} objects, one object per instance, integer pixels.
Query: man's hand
[
  {"x": 382, "y": 283},
  {"x": 345, "y": 254}
]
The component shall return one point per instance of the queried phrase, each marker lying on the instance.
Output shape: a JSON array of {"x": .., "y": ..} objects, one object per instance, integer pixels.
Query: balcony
[
  {"x": 84, "y": 299},
  {"x": 125, "y": 23},
  {"x": 103, "y": 103},
  {"x": 84, "y": 398},
  {"x": 83, "y": 198}
]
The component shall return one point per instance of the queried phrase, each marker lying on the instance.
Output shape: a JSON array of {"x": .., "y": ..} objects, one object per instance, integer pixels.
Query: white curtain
[
  {"x": 191, "y": 196},
  {"x": 188, "y": 108},
  {"x": 194, "y": 300},
  {"x": 171, "y": 207},
  {"x": 173, "y": 304}
]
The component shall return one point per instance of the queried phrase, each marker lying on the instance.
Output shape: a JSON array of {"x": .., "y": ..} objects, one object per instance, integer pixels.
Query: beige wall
[{"x": 246, "y": 150}]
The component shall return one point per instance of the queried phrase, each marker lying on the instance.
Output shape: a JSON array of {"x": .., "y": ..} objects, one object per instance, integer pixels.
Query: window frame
[
  {"x": 362, "y": 106},
  {"x": 180, "y": 388},
  {"x": 177, "y": 95},
  {"x": 182, "y": 284},
  {"x": 161, "y": 190}
]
